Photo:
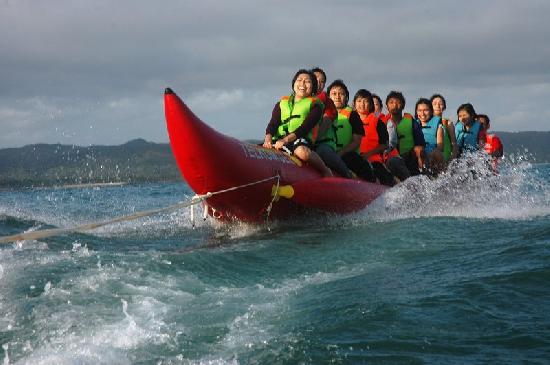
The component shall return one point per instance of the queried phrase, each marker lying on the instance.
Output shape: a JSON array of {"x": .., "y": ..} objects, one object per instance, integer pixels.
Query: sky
[{"x": 94, "y": 72}]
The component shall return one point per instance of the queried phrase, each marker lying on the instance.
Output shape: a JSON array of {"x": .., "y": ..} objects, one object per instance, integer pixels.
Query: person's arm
[
  {"x": 272, "y": 126},
  {"x": 323, "y": 127},
  {"x": 289, "y": 138},
  {"x": 313, "y": 117},
  {"x": 419, "y": 143},
  {"x": 481, "y": 139},
  {"x": 419, "y": 153},
  {"x": 452, "y": 136}
]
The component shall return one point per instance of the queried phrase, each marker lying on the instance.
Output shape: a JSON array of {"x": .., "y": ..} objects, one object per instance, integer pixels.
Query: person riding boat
[
  {"x": 294, "y": 117},
  {"x": 450, "y": 148},
  {"x": 408, "y": 159},
  {"x": 469, "y": 133},
  {"x": 433, "y": 131},
  {"x": 340, "y": 145},
  {"x": 493, "y": 144},
  {"x": 330, "y": 110},
  {"x": 375, "y": 141}
]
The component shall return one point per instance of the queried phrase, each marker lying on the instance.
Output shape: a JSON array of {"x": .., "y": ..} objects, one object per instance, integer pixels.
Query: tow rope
[{"x": 34, "y": 235}]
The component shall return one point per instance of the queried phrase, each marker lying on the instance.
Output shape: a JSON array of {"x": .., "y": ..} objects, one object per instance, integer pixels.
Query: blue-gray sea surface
[{"x": 448, "y": 271}]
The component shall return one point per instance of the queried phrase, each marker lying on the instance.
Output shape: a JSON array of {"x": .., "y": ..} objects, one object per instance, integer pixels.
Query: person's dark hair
[
  {"x": 484, "y": 116},
  {"x": 375, "y": 96},
  {"x": 468, "y": 108},
  {"x": 320, "y": 70},
  {"x": 339, "y": 83},
  {"x": 426, "y": 102},
  {"x": 396, "y": 95},
  {"x": 314, "y": 85},
  {"x": 363, "y": 93},
  {"x": 435, "y": 96}
]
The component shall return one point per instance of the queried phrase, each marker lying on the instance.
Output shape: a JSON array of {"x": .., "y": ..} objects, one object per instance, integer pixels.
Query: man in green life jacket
[{"x": 409, "y": 159}]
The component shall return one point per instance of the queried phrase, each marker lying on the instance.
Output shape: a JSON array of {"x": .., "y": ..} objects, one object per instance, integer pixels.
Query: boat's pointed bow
[{"x": 193, "y": 142}]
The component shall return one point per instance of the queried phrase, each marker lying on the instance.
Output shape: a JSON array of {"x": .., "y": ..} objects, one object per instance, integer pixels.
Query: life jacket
[
  {"x": 430, "y": 133},
  {"x": 339, "y": 134},
  {"x": 330, "y": 112},
  {"x": 447, "y": 143},
  {"x": 493, "y": 145},
  {"x": 405, "y": 134},
  {"x": 294, "y": 114},
  {"x": 467, "y": 139},
  {"x": 371, "y": 140}
]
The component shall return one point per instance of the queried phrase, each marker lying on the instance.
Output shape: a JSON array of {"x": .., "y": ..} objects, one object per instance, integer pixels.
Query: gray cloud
[{"x": 93, "y": 72}]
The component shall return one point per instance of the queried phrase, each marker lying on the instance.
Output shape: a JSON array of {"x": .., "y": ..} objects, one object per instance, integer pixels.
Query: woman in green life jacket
[{"x": 293, "y": 119}]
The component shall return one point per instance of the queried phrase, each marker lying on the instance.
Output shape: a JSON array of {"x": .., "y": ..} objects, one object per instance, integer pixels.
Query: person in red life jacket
[
  {"x": 433, "y": 131},
  {"x": 378, "y": 107},
  {"x": 493, "y": 144},
  {"x": 375, "y": 141},
  {"x": 408, "y": 157},
  {"x": 339, "y": 148},
  {"x": 294, "y": 117},
  {"x": 330, "y": 110},
  {"x": 469, "y": 132}
]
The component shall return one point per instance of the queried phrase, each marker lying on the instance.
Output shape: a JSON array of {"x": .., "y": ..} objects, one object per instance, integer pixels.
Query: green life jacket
[
  {"x": 447, "y": 146},
  {"x": 339, "y": 134},
  {"x": 294, "y": 114},
  {"x": 405, "y": 134}
]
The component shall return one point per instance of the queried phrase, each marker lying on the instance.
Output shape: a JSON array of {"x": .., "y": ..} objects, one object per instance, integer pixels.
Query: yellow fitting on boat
[
  {"x": 296, "y": 160},
  {"x": 286, "y": 191}
]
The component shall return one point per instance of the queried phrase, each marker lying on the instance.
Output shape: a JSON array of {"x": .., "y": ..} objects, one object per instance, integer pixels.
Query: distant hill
[
  {"x": 56, "y": 164},
  {"x": 142, "y": 161},
  {"x": 518, "y": 143}
]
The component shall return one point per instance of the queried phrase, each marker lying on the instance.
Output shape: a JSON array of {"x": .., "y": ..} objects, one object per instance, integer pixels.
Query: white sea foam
[{"x": 517, "y": 193}]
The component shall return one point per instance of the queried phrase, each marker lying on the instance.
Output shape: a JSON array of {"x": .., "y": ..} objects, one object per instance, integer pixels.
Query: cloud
[{"x": 105, "y": 64}]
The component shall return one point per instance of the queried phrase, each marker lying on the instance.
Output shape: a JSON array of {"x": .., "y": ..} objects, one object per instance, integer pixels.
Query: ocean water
[{"x": 448, "y": 271}]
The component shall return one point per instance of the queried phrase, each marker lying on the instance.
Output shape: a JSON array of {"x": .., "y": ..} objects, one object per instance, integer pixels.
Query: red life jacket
[
  {"x": 370, "y": 141},
  {"x": 493, "y": 145}
]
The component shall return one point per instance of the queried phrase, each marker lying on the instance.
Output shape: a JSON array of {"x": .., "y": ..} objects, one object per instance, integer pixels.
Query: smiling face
[
  {"x": 320, "y": 81},
  {"x": 362, "y": 105},
  {"x": 303, "y": 86},
  {"x": 423, "y": 113},
  {"x": 464, "y": 117},
  {"x": 438, "y": 106},
  {"x": 338, "y": 96}
]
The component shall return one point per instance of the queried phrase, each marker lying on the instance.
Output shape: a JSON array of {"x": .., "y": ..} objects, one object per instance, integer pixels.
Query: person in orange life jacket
[
  {"x": 493, "y": 144},
  {"x": 408, "y": 157},
  {"x": 439, "y": 105},
  {"x": 340, "y": 146},
  {"x": 375, "y": 141},
  {"x": 433, "y": 131},
  {"x": 469, "y": 133},
  {"x": 330, "y": 110},
  {"x": 296, "y": 140},
  {"x": 378, "y": 107}
]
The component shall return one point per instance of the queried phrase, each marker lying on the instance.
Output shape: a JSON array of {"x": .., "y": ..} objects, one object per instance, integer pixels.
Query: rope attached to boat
[{"x": 34, "y": 235}]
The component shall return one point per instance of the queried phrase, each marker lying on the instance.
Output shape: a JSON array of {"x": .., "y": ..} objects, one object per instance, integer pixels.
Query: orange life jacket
[{"x": 370, "y": 141}]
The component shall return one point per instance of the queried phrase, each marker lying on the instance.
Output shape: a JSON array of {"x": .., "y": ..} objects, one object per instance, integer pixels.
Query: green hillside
[{"x": 142, "y": 161}]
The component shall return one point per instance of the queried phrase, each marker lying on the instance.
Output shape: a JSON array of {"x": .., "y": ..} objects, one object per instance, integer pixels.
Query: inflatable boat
[{"x": 244, "y": 181}]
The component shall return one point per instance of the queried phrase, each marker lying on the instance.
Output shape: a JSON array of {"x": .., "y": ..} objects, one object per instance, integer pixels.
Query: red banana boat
[{"x": 246, "y": 179}]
